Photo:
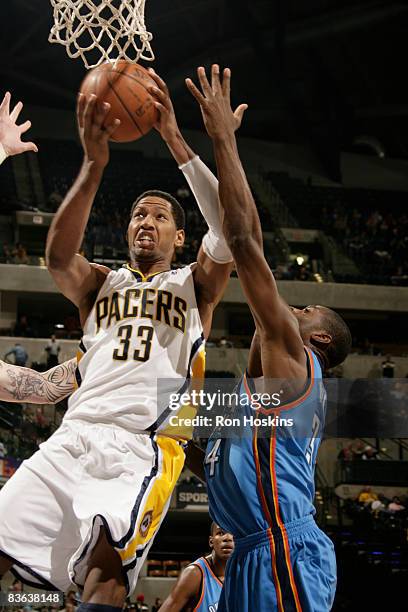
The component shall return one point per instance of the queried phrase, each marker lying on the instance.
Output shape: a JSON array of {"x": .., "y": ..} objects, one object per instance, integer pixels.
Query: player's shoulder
[
  {"x": 191, "y": 577},
  {"x": 180, "y": 275},
  {"x": 185, "y": 270},
  {"x": 194, "y": 571}
]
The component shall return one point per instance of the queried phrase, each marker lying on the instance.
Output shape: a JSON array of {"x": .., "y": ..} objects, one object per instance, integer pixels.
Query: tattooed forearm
[
  {"x": 62, "y": 378},
  {"x": 24, "y": 385}
]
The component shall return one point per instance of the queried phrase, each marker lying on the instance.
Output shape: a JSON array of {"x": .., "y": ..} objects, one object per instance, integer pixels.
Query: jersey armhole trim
[
  {"x": 200, "y": 601},
  {"x": 209, "y": 567}
]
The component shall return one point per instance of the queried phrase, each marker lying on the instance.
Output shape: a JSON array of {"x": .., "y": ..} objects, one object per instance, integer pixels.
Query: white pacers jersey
[{"x": 142, "y": 342}]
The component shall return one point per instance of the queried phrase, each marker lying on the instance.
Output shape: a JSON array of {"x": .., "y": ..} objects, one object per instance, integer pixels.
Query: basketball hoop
[{"x": 114, "y": 28}]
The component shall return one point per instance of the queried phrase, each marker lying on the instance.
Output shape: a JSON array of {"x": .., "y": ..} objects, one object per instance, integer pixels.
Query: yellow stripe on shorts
[{"x": 150, "y": 513}]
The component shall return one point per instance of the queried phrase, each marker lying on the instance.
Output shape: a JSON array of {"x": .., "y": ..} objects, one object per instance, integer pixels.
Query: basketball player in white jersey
[
  {"x": 19, "y": 384},
  {"x": 96, "y": 492}
]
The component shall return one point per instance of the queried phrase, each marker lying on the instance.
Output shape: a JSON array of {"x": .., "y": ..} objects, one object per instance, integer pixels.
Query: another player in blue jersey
[
  {"x": 199, "y": 587},
  {"x": 261, "y": 481}
]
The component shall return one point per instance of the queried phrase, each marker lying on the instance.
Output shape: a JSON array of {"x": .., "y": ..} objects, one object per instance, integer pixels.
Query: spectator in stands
[
  {"x": 359, "y": 450},
  {"x": 54, "y": 200},
  {"x": 140, "y": 604},
  {"x": 366, "y": 347},
  {"x": 388, "y": 367},
  {"x": 20, "y": 355},
  {"x": 157, "y": 604},
  {"x": 367, "y": 496},
  {"x": 378, "y": 505},
  {"x": 7, "y": 254},
  {"x": 20, "y": 256},
  {"x": 16, "y": 587},
  {"x": 22, "y": 328},
  {"x": 395, "y": 505},
  {"x": 346, "y": 453},
  {"x": 10, "y": 132},
  {"x": 369, "y": 453},
  {"x": 53, "y": 349}
]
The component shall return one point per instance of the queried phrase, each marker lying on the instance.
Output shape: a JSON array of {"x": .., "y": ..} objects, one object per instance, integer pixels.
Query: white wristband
[
  {"x": 216, "y": 248},
  {"x": 204, "y": 186},
  {"x": 3, "y": 154}
]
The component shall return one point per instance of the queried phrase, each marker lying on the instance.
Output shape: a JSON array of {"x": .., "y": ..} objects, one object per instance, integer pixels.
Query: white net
[{"x": 102, "y": 30}]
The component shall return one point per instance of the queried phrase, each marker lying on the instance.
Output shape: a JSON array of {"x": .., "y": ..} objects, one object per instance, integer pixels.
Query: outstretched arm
[
  {"x": 214, "y": 260},
  {"x": 241, "y": 221},
  {"x": 186, "y": 590},
  {"x": 25, "y": 385},
  {"x": 78, "y": 280},
  {"x": 10, "y": 132}
]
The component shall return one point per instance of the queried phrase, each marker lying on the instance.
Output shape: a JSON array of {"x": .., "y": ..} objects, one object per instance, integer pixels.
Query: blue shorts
[{"x": 266, "y": 573}]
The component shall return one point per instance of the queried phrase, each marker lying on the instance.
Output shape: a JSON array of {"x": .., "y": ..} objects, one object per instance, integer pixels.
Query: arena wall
[
  {"x": 233, "y": 360},
  {"x": 335, "y": 295}
]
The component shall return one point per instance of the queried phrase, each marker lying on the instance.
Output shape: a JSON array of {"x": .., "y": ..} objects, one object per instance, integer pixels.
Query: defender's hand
[
  {"x": 93, "y": 132},
  {"x": 10, "y": 132},
  {"x": 215, "y": 102}
]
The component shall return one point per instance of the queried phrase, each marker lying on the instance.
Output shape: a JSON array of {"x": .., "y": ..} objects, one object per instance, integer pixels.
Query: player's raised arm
[
  {"x": 10, "y": 132},
  {"x": 186, "y": 589},
  {"x": 214, "y": 260},
  {"x": 242, "y": 227},
  {"x": 19, "y": 384},
  {"x": 74, "y": 275}
]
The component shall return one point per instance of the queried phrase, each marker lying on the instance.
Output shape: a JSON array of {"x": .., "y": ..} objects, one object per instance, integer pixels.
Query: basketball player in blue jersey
[
  {"x": 199, "y": 587},
  {"x": 261, "y": 487},
  {"x": 87, "y": 506}
]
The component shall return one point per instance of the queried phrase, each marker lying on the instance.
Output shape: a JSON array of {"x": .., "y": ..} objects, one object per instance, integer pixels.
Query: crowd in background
[
  {"x": 376, "y": 241},
  {"x": 375, "y": 512}
]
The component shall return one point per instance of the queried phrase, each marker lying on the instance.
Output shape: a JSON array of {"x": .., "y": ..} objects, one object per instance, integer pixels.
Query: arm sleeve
[{"x": 204, "y": 186}]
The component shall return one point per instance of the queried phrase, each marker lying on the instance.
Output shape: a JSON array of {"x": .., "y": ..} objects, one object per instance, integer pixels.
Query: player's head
[
  {"x": 325, "y": 332},
  {"x": 221, "y": 542},
  {"x": 156, "y": 227}
]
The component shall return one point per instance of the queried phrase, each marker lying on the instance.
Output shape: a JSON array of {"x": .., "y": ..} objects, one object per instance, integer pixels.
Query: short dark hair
[
  {"x": 176, "y": 208},
  {"x": 213, "y": 527},
  {"x": 340, "y": 346}
]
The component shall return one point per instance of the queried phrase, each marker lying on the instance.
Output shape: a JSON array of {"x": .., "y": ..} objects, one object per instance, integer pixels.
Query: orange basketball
[{"x": 124, "y": 86}]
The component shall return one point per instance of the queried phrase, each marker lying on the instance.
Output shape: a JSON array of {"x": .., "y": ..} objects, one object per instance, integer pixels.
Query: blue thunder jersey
[
  {"x": 211, "y": 588},
  {"x": 259, "y": 482}
]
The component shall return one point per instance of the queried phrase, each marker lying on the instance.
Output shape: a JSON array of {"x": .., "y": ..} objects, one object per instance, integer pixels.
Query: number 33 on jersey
[{"x": 140, "y": 329}]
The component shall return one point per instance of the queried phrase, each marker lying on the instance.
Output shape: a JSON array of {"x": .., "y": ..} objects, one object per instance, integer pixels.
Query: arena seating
[
  {"x": 128, "y": 174},
  {"x": 370, "y": 225}
]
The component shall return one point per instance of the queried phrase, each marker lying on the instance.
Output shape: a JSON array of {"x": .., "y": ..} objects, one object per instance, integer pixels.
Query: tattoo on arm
[{"x": 25, "y": 385}]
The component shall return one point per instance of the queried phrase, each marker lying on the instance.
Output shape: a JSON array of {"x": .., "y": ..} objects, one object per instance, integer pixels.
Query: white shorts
[{"x": 83, "y": 477}]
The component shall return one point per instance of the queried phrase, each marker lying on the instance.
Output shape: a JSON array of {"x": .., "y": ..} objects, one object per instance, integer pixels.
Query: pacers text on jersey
[{"x": 147, "y": 303}]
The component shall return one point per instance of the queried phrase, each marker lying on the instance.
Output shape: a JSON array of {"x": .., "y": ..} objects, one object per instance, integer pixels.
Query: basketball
[{"x": 123, "y": 85}]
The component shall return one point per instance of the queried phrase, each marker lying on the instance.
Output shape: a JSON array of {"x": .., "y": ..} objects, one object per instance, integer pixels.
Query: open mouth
[{"x": 144, "y": 240}]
